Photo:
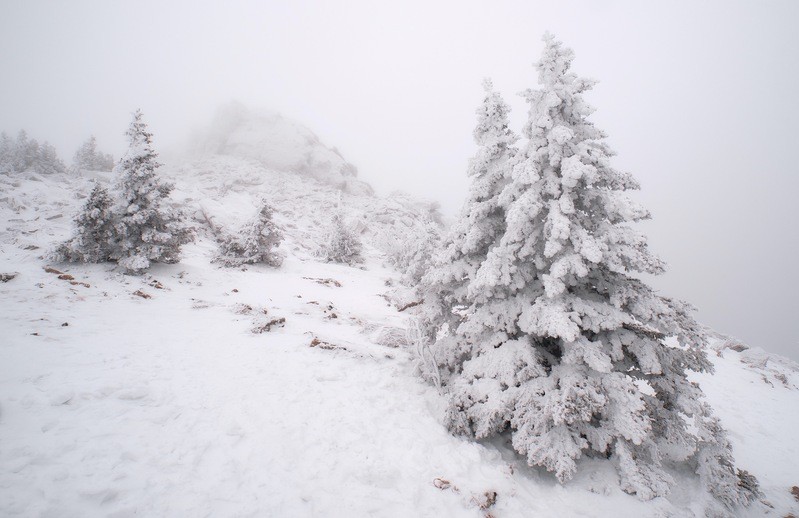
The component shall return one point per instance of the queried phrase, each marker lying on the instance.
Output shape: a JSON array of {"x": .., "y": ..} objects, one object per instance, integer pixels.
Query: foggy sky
[{"x": 699, "y": 99}]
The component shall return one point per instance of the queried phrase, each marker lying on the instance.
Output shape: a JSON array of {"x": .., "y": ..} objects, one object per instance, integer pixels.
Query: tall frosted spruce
[
  {"x": 480, "y": 226},
  {"x": 148, "y": 229},
  {"x": 550, "y": 334}
]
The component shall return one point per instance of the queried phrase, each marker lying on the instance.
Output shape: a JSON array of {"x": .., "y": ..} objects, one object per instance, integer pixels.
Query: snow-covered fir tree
[
  {"x": 88, "y": 158},
  {"x": 6, "y": 153},
  {"x": 47, "y": 161},
  {"x": 342, "y": 245},
  {"x": 148, "y": 228},
  {"x": 549, "y": 333},
  {"x": 418, "y": 251},
  {"x": 93, "y": 239},
  {"x": 25, "y": 154},
  {"x": 256, "y": 242},
  {"x": 481, "y": 223}
]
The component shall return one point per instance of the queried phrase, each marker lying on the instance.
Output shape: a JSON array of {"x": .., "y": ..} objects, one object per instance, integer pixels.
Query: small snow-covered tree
[
  {"x": 480, "y": 226},
  {"x": 93, "y": 240},
  {"x": 552, "y": 334},
  {"x": 256, "y": 242},
  {"x": 7, "y": 150},
  {"x": 25, "y": 154},
  {"x": 148, "y": 228},
  {"x": 88, "y": 158},
  {"x": 47, "y": 161},
  {"x": 342, "y": 245}
]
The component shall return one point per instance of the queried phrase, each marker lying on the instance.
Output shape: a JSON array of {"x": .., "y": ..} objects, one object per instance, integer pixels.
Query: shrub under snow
[{"x": 342, "y": 245}]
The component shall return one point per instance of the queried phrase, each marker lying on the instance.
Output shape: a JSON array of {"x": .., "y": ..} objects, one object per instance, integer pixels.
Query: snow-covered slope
[{"x": 182, "y": 393}]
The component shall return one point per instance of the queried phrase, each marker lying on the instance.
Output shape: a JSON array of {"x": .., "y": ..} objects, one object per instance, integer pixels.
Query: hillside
[{"x": 184, "y": 393}]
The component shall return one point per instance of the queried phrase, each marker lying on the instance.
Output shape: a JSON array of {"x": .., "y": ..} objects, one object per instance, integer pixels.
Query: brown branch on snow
[
  {"x": 214, "y": 228},
  {"x": 410, "y": 305}
]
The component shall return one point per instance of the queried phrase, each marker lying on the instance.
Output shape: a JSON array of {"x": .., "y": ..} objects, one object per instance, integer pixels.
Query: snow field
[{"x": 171, "y": 406}]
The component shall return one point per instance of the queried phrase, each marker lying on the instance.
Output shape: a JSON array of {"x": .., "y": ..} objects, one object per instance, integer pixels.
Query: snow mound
[
  {"x": 772, "y": 368},
  {"x": 278, "y": 143}
]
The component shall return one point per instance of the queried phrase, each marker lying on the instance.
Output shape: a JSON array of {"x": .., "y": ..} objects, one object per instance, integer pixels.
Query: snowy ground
[{"x": 172, "y": 406}]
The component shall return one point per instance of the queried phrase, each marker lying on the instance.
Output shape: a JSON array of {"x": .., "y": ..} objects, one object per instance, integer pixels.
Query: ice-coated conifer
[
  {"x": 148, "y": 229},
  {"x": 342, "y": 245},
  {"x": 25, "y": 154},
  {"x": 87, "y": 157},
  {"x": 480, "y": 226},
  {"x": 546, "y": 329},
  {"x": 256, "y": 242},
  {"x": 93, "y": 239}
]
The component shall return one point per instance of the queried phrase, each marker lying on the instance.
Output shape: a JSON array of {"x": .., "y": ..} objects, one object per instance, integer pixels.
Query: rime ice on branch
[{"x": 543, "y": 326}]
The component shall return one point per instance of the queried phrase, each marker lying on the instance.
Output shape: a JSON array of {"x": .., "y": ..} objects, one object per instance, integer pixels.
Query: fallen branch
[
  {"x": 324, "y": 282},
  {"x": 410, "y": 305},
  {"x": 325, "y": 345},
  {"x": 214, "y": 228}
]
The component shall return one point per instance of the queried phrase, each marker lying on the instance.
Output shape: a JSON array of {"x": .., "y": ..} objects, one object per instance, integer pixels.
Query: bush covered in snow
[
  {"x": 256, "y": 242},
  {"x": 410, "y": 249},
  {"x": 26, "y": 154},
  {"x": 543, "y": 326},
  {"x": 342, "y": 244}
]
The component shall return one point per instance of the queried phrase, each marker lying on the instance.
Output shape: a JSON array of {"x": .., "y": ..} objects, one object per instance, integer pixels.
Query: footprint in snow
[{"x": 133, "y": 394}]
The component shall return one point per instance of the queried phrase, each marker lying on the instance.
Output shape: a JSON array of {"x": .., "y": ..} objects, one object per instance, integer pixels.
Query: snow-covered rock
[{"x": 278, "y": 143}]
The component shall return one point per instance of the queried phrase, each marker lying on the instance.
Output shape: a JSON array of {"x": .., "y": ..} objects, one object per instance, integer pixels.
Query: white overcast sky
[{"x": 699, "y": 99}]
